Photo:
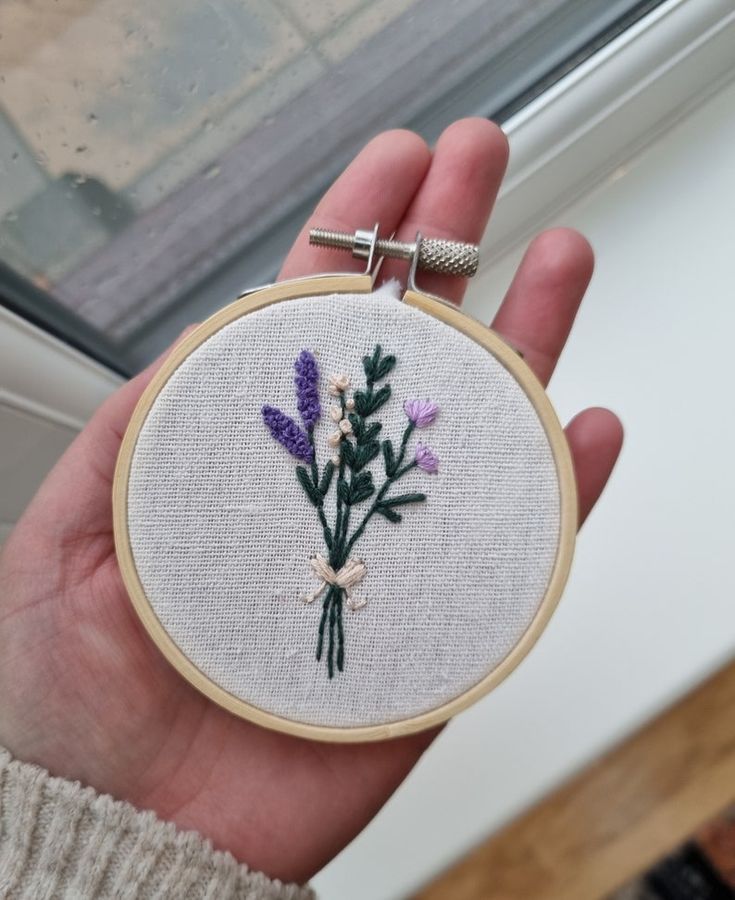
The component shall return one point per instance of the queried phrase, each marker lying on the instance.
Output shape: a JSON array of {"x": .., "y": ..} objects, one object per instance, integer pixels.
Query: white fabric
[{"x": 222, "y": 533}]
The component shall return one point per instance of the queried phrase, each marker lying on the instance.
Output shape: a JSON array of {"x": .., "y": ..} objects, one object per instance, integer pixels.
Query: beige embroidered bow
[{"x": 350, "y": 575}]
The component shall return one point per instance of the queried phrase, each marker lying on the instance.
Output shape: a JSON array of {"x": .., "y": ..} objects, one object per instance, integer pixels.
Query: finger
[
  {"x": 538, "y": 310},
  {"x": 456, "y": 197},
  {"x": 376, "y": 187},
  {"x": 595, "y": 438}
]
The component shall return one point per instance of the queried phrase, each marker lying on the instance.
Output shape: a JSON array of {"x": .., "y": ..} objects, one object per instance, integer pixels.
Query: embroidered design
[{"x": 354, "y": 443}]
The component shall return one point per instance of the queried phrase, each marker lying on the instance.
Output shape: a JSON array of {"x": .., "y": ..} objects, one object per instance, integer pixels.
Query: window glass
[{"x": 157, "y": 157}]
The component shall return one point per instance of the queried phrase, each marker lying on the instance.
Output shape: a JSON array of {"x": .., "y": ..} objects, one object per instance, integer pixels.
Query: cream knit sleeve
[{"x": 61, "y": 840}]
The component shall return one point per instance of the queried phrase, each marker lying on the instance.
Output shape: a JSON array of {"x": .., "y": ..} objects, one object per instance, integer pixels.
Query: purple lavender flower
[
  {"x": 287, "y": 432},
  {"x": 420, "y": 412},
  {"x": 307, "y": 388},
  {"x": 426, "y": 459}
]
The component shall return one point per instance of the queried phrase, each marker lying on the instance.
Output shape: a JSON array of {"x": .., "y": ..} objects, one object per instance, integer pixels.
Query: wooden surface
[{"x": 617, "y": 817}]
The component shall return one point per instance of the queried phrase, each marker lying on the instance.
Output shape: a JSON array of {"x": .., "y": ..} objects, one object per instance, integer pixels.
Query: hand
[{"x": 84, "y": 691}]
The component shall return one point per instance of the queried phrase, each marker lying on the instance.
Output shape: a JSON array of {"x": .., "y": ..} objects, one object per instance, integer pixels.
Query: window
[{"x": 155, "y": 159}]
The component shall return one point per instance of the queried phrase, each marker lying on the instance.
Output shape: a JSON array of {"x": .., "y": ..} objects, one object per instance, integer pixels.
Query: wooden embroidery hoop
[{"x": 320, "y": 285}]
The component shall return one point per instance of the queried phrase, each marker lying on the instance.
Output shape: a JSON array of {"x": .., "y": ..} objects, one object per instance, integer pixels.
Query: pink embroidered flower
[
  {"x": 426, "y": 459},
  {"x": 421, "y": 412}
]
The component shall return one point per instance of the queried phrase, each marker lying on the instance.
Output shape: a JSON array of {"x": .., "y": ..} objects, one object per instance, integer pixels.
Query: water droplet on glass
[
  {"x": 82, "y": 148},
  {"x": 212, "y": 172},
  {"x": 208, "y": 125},
  {"x": 92, "y": 118},
  {"x": 11, "y": 217},
  {"x": 80, "y": 179},
  {"x": 15, "y": 155}
]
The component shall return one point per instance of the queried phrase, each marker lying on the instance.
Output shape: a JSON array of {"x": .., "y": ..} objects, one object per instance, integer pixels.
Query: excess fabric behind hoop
[{"x": 222, "y": 534}]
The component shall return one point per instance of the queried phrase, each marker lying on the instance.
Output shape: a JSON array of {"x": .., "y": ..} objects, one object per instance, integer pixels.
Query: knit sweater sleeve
[{"x": 59, "y": 839}]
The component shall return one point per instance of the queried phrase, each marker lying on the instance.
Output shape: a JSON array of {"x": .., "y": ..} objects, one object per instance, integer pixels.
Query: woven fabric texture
[
  {"x": 222, "y": 533},
  {"x": 59, "y": 839}
]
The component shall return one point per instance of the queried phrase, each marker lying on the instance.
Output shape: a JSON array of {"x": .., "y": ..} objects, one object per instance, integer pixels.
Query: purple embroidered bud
[
  {"x": 426, "y": 459},
  {"x": 420, "y": 412},
  {"x": 287, "y": 432},
  {"x": 307, "y": 388}
]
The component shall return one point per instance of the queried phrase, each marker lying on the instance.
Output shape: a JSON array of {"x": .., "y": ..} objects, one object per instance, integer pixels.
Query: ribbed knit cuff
[{"x": 59, "y": 839}]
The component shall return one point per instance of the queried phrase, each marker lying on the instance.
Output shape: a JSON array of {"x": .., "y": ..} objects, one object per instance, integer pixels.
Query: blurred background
[{"x": 156, "y": 159}]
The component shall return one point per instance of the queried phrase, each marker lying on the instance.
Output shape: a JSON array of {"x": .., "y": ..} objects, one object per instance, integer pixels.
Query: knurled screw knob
[{"x": 434, "y": 254}]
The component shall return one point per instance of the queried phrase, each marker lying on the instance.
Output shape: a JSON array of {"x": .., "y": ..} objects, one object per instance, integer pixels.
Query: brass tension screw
[{"x": 431, "y": 254}]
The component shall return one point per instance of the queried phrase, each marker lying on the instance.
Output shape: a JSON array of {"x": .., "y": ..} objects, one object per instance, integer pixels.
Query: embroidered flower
[
  {"x": 287, "y": 432},
  {"x": 338, "y": 384},
  {"x": 421, "y": 412},
  {"x": 426, "y": 459},
  {"x": 307, "y": 388},
  {"x": 359, "y": 450}
]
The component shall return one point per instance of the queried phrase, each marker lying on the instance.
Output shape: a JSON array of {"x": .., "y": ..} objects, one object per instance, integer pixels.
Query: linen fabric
[{"x": 222, "y": 532}]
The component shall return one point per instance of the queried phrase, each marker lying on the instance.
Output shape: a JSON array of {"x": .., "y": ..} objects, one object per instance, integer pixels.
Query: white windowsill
[{"x": 648, "y": 611}]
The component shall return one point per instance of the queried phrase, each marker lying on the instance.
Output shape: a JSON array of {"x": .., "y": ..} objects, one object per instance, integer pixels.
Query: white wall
[
  {"x": 47, "y": 393},
  {"x": 650, "y": 608}
]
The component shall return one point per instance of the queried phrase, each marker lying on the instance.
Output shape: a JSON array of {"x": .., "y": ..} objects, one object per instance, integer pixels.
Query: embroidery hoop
[{"x": 448, "y": 314}]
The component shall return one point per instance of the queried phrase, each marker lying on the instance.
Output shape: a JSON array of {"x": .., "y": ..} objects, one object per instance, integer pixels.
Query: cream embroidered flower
[
  {"x": 338, "y": 384},
  {"x": 345, "y": 426},
  {"x": 335, "y": 413},
  {"x": 334, "y": 439},
  {"x": 350, "y": 404}
]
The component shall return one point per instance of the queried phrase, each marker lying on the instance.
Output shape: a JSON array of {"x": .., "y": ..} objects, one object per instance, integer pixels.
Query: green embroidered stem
[
  {"x": 322, "y": 623},
  {"x": 332, "y": 614},
  {"x": 336, "y": 553},
  {"x": 330, "y": 650},
  {"x": 340, "y": 633},
  {"x": 398, "y": 473},
  {"x": 315, "y": 479},
  {"x": 342, "y": 557}
]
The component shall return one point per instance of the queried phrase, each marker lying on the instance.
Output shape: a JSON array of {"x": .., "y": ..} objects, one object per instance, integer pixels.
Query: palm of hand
[{"x": 88, "y": 696}]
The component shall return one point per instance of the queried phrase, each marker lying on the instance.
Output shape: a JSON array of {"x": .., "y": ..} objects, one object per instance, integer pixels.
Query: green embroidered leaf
[
  {"x": 326, "y": 478},
  {"x": 365, "y": 453},
  {"x": 312, "y": 492},
  {"x": 361, "y": 487},
  {"x": 370, "y": 363},
  {"x": 343, "y": 491},
  {"x": 363, "y": 401},
  {"x": 363, "y": 433},
  {"x": 380, "y": 397},
  {"x": 367, "y": 402},
  {"x": 402, "y": 499},
  {"x": 390, "y": 514},
  {"x": 347, "y": 450},
  {"x": 384, "y": 367},
  {"x": 389, "y": 457},
  {"x": 358, "y": 424},
  {"x": 370, "y": 432}
]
